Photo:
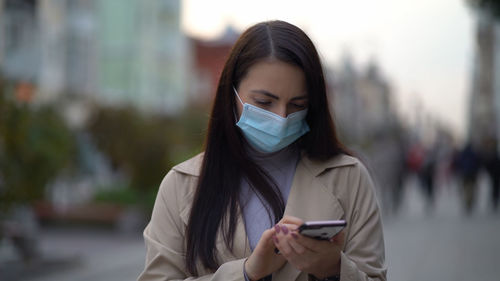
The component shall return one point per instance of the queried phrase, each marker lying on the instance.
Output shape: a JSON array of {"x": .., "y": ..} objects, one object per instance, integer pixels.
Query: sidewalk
[
  {"x": 442, "y": 245},
  {"x": 83, "y": 254}
]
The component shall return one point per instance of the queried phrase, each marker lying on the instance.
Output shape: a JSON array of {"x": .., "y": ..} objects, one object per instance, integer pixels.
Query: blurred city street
[
  {"x": 421, "y": 244},
  {"x": 98, "y": 99}
]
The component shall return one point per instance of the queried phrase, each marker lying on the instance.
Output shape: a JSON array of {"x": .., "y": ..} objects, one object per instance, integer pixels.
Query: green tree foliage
[
  {"x": 145, "y": 146},
  {"x": 35, "y": 144}
]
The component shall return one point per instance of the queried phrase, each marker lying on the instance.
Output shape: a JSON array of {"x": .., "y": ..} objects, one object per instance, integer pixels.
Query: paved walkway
[
  {"x": 83, "y": 255},
  {"x": 442, "y": 243},
  {"x": 437, "y": 245}
]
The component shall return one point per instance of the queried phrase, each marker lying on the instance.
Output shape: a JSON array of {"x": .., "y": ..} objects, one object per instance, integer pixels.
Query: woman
[{"x": 271, "y": 157}]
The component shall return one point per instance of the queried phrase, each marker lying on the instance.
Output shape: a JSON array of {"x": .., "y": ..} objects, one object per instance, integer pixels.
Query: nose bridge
[{"x": 282, "y": 110}]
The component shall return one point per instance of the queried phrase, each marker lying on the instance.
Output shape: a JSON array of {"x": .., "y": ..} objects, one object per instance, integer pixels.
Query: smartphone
[{"x": 322, "y": 230}]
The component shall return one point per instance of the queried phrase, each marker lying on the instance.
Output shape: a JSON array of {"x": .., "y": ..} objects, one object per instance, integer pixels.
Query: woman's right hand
[{"x": 263, "y": 260}]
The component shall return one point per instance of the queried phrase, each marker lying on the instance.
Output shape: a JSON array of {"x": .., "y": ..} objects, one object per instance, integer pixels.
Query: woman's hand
[
  {"x": 317, "y": 257},
  {"x": 263, "y": 260}
]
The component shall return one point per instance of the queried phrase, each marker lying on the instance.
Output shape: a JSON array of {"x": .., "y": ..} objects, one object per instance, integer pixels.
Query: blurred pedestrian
[
  {"x": 415, "y": 157},
  {"x": 491, "y": 163},
  {"x": 20, "y": 226},
  {"x": 427, "y": 174},
  {"x": 468, "y": 167},
  {"x": 272, "y": 160},
  {"x": 397, "y": 154}
]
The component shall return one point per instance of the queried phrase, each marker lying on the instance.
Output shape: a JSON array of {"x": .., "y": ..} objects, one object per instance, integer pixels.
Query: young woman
[{"x": 272, "y": 160}]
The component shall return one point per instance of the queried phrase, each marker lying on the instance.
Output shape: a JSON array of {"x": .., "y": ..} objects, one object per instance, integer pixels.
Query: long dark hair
[{"x": 226, "y": 163}]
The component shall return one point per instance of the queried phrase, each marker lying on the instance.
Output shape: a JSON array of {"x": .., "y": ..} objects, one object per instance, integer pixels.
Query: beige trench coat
[{"x": 340, "y": 188}]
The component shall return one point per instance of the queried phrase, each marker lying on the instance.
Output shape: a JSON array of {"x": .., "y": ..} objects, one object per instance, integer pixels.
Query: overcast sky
[{"x": 424, "y": 47}]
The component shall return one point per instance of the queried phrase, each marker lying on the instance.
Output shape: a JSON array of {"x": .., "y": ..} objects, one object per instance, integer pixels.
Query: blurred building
[
  {"x": 144, "y": 55},
  {"x": 19, "y": 55},
  {"x": 115, "y": 52},
  {"x": 209, "y": 57},
  {"x": 484, "y": 106},
  {"x": 376, "y": 96},
  {"x": 362, "y": 102},
  {"x": 347, "y": 100},
  {"x": 368, "y": 124}
]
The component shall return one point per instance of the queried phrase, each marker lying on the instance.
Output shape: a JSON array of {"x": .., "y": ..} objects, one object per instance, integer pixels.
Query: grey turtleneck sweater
[{"x": 280, "y": 166}]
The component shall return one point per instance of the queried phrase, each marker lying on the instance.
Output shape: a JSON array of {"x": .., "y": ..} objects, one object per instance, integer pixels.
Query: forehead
[{"x": 275, "y": 76}]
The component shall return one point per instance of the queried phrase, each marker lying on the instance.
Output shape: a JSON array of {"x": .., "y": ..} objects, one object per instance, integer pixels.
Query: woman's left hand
[{"x": 317, "y": 257}]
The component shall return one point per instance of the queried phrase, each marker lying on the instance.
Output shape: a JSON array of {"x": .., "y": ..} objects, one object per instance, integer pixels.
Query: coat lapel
[
  {"x": 309, "y": 199},
  {"x": 241, "y": 246}
]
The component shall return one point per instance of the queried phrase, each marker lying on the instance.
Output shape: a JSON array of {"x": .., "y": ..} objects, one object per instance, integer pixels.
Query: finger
[
  {"x": 266, "y": 239},
  {"x": 298, "y": 248},
  {"x": 290, "y": 227},
  {"x": 281, "y": 240},
  {"x": 295, "y": 254},
  {"x": 285, "y": 229},
  {"x": 284, "y": 247},
  {"x": 314, "y": 245},
  {"x": 291, "y": 220},
  {"x": 268, "y": 233},
  {"x": 339, "y": 238}
]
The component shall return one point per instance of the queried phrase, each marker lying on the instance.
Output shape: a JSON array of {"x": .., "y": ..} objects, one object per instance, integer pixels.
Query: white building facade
[{"x": 114, "y": 52}]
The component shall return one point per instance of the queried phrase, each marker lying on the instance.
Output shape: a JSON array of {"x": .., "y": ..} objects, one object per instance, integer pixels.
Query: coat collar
[
  {"x": 193, "y": 165},
  {"x": 318, "y": 167}
]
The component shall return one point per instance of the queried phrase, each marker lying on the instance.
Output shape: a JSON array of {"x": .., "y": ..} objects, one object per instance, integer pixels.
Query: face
[{"x": 275, "y": 86}]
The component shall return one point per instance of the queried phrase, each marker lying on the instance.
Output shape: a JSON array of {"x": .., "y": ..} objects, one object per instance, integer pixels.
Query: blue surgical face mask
[{"x": 269, "y": 132}]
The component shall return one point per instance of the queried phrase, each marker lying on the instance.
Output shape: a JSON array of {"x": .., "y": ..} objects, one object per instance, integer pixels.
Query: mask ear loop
[
  {"x": 236, "y": 92},
  {"x": 236, "y": 117}
]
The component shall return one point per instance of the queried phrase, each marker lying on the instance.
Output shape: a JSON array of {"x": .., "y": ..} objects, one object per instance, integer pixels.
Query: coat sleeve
[
  {"x": 165, "y": 244},
  {"x": 363, "y": 257}
]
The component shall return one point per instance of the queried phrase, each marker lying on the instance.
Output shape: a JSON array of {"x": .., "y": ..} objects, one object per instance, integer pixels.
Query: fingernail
[
  {"x": 285, "y": 230},
  {"x": 277, "y": 228},
  {"x": 294, "y": 235}
]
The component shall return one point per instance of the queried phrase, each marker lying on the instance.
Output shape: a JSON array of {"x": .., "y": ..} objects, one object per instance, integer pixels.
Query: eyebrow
[{"x": 269, "y": 94}]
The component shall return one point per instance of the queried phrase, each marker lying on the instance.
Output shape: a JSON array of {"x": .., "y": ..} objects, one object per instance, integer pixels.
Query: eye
[
  {"x": 263, "y": 102},
  {"x": 299, "y": 105}
]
